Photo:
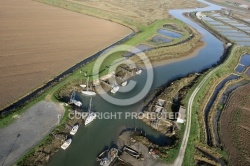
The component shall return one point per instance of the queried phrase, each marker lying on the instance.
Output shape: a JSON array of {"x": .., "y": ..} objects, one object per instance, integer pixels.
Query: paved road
[{"x": 33, "y": 125}]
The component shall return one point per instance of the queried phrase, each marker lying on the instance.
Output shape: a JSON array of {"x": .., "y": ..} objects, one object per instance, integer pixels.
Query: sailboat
[
  {"x": 74, "y": 101},
  {"x": 88, "y": 92},
  {"x": 91, "y": 116}
]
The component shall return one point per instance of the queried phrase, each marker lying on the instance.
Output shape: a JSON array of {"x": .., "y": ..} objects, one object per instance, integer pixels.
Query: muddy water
[{"x": 101, "y": 133}]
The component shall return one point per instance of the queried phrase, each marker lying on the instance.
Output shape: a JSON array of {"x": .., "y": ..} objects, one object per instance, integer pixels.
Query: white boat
[
  {"x": 74, "y": 101},
  {"x": 124, "y": 83},
  {"x": 91, "y": 116},
  {"x": 138, "y": 72},
  {"x": 115, "y": 89},
  {"x": 88, "y": 92},
  {"x": 83, "y": 85},
  {"x": 66, "y": 144},
  {"x": 74, "y": 129}
]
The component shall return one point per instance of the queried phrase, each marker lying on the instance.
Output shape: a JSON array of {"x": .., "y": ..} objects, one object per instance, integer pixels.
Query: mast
[
  {"x": 88, "y": 84},
  {"x": 90, "y": 104}
]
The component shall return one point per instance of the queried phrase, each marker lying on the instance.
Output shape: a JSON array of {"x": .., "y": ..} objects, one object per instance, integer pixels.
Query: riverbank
[
  {"x": 75, "y": 77},
  {"x": 200, "y": 102}
]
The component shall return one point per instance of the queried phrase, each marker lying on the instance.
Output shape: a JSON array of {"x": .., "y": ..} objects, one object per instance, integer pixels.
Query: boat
[
  {"x": 131, "y": 152},
  {"x": 138, "y": 72},
  {"x": 114, "y": 89},
  {"x": 110, "y": 157},
  {"x": 124, "y": 83},
  {"x": 66, "y": 144},
  {"x": 74, "y": 129},
  {"x": 91, "y": 116},
  {"x": 88, "y": 92},
  {"x": 83, "y": 85},
  {"x": 102, "y": 155},
  {"x": 74, "y": 101}
]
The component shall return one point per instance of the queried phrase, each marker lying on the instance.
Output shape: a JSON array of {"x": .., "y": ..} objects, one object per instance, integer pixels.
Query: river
[{"x": 103, "y": 133}]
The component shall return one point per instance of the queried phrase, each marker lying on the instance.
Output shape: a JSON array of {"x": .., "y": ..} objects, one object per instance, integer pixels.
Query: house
[{"x": 181, "y": 115}]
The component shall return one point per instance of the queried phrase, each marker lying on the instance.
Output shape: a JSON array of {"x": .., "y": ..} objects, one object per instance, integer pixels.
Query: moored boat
[
  {"x": 138, "y": 72},
  {"x": 91, "y": 116},
  {"x": 88, "y": 92},
  {"x": 110, "y": 157},
  {"x": 115, "y": 89},
  {"x": 102, "y": 155},
  {"x": 124, "y": 83},
  {"x": 66, "y": 144},
  {"x": 74, "y": 129}
]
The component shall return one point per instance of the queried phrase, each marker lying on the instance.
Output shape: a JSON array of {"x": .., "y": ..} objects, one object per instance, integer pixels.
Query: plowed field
[
  {"x": 235, "y": 127},
  {"x": 39, "y": 41}
]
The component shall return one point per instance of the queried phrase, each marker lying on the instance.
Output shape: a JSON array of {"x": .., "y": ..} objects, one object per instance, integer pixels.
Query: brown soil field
[
  {"x": 38, "y": 41},
  {"x": 235, "y": 127}
]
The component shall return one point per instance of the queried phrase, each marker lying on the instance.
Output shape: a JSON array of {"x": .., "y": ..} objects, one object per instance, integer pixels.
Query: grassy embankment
[{"x": 197, "y": 133}]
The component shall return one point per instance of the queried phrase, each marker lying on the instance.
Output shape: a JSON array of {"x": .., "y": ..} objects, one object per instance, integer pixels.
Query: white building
[{"x": 181, "y": 115}]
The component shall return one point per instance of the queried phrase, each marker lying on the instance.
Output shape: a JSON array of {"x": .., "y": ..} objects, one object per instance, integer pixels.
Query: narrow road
[{"x": 180, "y": 157}]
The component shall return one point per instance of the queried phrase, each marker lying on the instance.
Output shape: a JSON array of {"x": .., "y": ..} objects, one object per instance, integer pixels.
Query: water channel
[{"x": 102, "y": 133}]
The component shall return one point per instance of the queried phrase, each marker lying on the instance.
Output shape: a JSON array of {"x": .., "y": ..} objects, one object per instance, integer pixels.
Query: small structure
[
  {"x": 181, "y": 115},
  {"x": 199, "y": 15},
  {"x": 160, "y": 102},
  {"x": 243, "y": 6},
  {"x": 158, "y": 109}
]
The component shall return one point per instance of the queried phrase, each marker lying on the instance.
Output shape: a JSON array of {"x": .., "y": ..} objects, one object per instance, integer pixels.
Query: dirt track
[{"x": 39, "y": 41}]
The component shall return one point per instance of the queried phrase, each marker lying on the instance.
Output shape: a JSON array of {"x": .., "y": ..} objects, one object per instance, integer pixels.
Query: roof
[
  {"x": 161, "y": 102},
  {"x": 181, "y": 115},
  {"x": 158, "y": 109}
]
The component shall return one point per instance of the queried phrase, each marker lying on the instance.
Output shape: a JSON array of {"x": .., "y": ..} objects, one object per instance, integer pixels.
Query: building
[
  {"x": 199, "y": 15},
  {"x": 181, "y": 115},
  {"x": 243, "y": 6}
]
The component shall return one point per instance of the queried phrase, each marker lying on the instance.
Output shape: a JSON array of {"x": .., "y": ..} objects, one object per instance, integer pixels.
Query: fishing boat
[
  {"x": 66, "y": 144},
  {"x": 74, "y": 129},
  {"x": 102, "y": 155},
  {"x": 74, "y": 101},
  {"x": 114, "y": 89},
  {"x": 110, "y": 157},
  {"x": 88, "y": 92},
  {"x": 91, "y": 116}
]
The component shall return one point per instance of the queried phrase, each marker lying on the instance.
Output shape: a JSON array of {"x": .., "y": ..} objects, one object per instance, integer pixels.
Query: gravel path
[{"x": 30, "y": 128}]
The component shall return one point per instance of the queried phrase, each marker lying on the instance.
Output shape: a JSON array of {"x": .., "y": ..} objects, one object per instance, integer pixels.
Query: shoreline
[{"x": 169, "y": 60}]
